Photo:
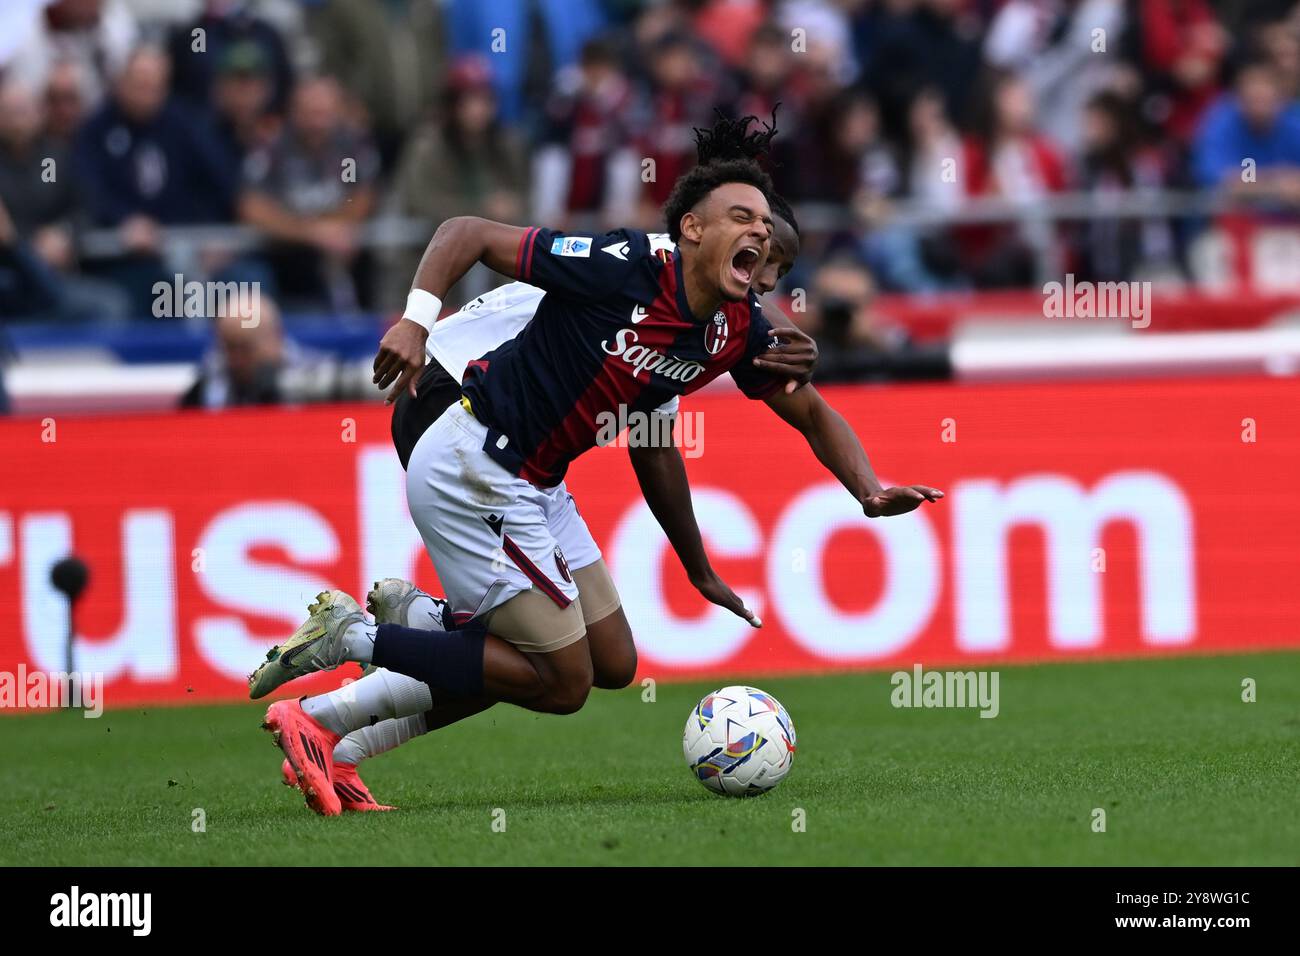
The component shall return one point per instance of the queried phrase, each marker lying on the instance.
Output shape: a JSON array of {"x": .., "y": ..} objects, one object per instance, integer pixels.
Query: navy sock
[{"x": 450, "y": 661}]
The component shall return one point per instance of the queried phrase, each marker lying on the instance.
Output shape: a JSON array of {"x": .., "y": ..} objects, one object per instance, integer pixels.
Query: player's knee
[
  {"x": 568, "y": 699},
  {"x": 617, "y": 673},
  {"x": 568, "y": 678}
]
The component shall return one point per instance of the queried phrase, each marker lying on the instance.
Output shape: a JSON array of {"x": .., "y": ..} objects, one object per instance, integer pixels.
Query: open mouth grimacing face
[{"x": 745, "y": 262}]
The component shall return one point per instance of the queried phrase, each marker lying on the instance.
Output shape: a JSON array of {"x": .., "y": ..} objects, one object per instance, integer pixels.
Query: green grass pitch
[{"x": 1186, "y": 771}]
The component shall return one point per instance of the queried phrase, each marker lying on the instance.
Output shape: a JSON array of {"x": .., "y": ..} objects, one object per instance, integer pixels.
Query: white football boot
[
  {"x": 390, "y": 602},
  {"x": 317, "y": 645}
]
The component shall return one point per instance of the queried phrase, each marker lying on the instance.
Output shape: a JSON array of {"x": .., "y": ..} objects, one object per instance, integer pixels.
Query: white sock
[
  {"x": 381, "y": 738},
  {"x": 359, "y": 642},
  {"x": 380, "y": 695}
]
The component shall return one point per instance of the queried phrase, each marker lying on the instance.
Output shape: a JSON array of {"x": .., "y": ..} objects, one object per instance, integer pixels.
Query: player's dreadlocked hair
[
  {"x": 728, "y": 153},
  {"x": 732, "y": 139}
]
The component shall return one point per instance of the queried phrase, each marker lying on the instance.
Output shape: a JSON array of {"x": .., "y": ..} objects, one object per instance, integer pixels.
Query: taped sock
[{"x": 453, "y": 662}]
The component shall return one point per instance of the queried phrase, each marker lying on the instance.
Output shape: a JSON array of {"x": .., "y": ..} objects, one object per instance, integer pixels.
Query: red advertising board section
[{"x": 1080, "y": 521}]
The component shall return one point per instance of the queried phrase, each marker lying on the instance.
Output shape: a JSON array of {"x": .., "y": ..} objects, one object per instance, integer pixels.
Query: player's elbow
[{"x": 457, "y": 229}]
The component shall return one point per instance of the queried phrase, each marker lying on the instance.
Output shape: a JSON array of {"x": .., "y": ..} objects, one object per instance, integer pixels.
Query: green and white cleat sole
[{"x": 317, "y": 645}]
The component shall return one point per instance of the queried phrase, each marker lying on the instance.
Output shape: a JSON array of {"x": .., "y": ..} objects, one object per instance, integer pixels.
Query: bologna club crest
[{"x": 715, "y": 336}]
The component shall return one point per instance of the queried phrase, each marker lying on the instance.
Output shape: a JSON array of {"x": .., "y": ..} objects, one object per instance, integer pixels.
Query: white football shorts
[{"x": 489, "y": 533}]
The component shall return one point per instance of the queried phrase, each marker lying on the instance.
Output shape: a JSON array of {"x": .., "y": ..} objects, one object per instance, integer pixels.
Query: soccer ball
[{"x": 739, "y": 741}]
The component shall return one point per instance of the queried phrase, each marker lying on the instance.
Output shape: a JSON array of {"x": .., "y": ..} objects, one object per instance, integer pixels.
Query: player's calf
[
  {"x": 613, "y": 653},
  {"x": 609, "y": 636}
]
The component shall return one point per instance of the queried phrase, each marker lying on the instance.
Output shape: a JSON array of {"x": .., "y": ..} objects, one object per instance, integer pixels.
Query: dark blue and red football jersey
[{"x": 612, "y": 330}]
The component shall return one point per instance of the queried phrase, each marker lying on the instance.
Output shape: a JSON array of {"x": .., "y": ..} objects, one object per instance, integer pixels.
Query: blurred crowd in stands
[{"x": 315, "y": 124}]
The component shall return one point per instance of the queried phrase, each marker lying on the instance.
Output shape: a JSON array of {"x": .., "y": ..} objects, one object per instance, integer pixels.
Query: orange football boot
[{"x": 309, "y": 749}]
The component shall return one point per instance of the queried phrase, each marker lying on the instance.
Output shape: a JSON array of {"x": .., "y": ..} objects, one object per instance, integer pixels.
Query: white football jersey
[{"x": 482, "y": 325}]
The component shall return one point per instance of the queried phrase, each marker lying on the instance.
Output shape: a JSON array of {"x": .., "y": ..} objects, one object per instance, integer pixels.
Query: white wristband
[{"x": 422, "y": 308}]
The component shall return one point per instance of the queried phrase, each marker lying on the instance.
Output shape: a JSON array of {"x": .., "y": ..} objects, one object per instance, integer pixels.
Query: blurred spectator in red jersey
[
  {"x": 586, "y": 171},
  {"x": 310, "y": 192},
  {"x": 682, "y": 96},
  {"x": 1179, "y": 48},
  {"x": 1009, "y": 159},
  {"x": 726, "y": 25},
  {"x": 65, "y": 102}
]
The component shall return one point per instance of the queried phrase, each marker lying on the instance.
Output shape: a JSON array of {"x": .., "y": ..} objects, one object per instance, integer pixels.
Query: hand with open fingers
[
  {"x": 401, "y": 358},
  {"x": 794, "y": 356},
  {"x": 899, "y": 500},
  {"x": 715, "y": 589}
]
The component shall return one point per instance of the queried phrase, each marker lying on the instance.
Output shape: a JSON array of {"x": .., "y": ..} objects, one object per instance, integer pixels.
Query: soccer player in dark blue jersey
[{"x": 622, "y": 327}]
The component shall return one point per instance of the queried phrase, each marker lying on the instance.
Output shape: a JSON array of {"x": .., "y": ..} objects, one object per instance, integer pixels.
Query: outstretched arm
[
  {"x": 838, "y": 448},
  {"x": 662, "y": 476},
  {"x": 455, "y": 247}
]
